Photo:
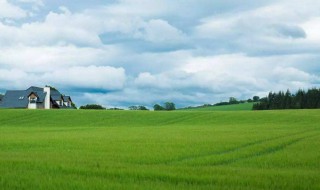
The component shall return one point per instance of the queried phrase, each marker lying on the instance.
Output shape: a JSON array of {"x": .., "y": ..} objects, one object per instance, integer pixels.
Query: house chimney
[{"x": 47, "y": 98}]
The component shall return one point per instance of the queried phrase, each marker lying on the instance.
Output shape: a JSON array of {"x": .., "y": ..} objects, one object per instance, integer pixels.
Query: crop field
[{"x": 76, "y": 149}]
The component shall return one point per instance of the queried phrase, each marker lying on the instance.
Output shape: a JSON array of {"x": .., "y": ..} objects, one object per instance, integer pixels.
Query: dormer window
[
  {"x": 33, "y": 98},
  {"x": 21, "y": 97}
]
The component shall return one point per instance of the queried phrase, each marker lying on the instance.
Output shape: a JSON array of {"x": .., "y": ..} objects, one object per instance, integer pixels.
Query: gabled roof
[
  {"x": 38, "y": 91},
  {"x": 40, "y": 95},
  {"x": 15, "y": 98},
  {"x": 34, "y": 94},
  {"x": 20, "y": 98},
  {"x": 66, "y": 98},
  {"x": 34, "y": 89},
  {"x": 55, "y": 95}
]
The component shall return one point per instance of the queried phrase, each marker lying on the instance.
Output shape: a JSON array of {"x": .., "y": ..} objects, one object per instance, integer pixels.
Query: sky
[{"x": 119, "y": 53}]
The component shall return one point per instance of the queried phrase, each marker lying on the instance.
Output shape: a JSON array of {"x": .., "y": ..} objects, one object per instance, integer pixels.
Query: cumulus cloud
[
  {"x": 49, "y": 58},
  {"x": 312, "y": 29},
  {"x": 57, "y": 28},
  {"x": 8, "y": 10},
  {"x": 96, "y": 78},
  {"x": 277, "y": 28},
  {"x": 90, "y": 78}
]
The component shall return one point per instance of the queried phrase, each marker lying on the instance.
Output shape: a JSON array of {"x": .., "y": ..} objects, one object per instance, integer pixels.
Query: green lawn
[
  {"x": 234, "y": 107},
  {"x": 77, "y": 149}
]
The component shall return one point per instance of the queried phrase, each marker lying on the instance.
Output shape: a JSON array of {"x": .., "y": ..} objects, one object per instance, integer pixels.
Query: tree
[
  {"x": 138, "y": 108},
  {"x": 133, "y": 107},
  {"x": 299, "y": 100},
  {"x": 233, "y": 100},
  {"x": 115, "y": 108},
  {"x": 142, "y": 108},
  {"x": 157, "y": 107},
  {"x": 256, "y": 98},
  {"x": 288, "y": 104},
  {"x": 169, "y": 106},
  {"x": 93, "y": 106},
  {"x": 73, "y": 105}
]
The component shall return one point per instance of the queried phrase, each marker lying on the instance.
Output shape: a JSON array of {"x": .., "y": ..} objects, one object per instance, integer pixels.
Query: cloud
[
  {"x": 92, "y": 78},
  {"x": 291, "y": 31},
  {"x": 8, "y": 10},
  {"x": 208, "y": 80},
  {"x": 144, "y": 52},
  {"x": 57, "y": 28},
  {"x": 154, "y": 31},
  {"x": 49, "y": 58},
  {"x": 312, "y": 28},
  {"x": 89, "y": 78},
  {"x": 278, "y": 28},
  {"x": 36, "y": 2}
]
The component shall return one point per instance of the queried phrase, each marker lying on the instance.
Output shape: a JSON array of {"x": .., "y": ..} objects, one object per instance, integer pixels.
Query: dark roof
[
  {"x": 38, "y": 91},
  {"x": 34, "y": 89},
  {"x": 15, "y": 99},
  {"x": 19, "y": 98},
  {"x": 41, "y": 96},
  {"x": 66, "y": 98},
  {"x": 1, "y": 96},
  {"x": 55, "y": 95}
]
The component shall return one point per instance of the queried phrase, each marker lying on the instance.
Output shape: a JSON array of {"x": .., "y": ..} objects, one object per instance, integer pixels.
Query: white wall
[
  {"x": 47, "y": 103},
  {"x": 32, "y": 106}
]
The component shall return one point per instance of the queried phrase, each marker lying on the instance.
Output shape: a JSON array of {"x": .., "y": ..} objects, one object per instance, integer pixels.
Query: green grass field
[
  {"x": 59, "y": 149},
  {"x": 234, "y": 107}
]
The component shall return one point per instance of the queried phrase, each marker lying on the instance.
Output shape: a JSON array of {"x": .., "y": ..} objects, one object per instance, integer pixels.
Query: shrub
[{"x": 93, "y": 106}]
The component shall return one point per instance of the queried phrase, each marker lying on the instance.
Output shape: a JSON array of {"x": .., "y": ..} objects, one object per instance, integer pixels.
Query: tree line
[
  {"x": 96, "y": 107},
  {"x": 309, "y": 99},
  {"x": 168, "y": 106}
]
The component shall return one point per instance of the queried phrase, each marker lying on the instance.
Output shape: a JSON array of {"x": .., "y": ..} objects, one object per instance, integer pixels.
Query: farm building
[{"x": 36, "y": 98}]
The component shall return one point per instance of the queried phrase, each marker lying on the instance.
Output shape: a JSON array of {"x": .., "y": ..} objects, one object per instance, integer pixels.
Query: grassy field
[
  {"x": 58, "y": 149},
  {"x": 234, "y": 107}
]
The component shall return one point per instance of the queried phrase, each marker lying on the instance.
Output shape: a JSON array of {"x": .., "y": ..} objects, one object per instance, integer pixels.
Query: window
[
  {"x": 21, "y": 97},
  {"x": 33, "y": 100}
]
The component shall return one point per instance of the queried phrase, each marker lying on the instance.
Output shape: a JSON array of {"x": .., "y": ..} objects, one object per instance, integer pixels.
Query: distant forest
[{"x": 285, "y": 100}]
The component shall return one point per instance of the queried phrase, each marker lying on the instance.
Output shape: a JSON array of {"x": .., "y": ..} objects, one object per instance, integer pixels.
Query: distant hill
[{"x": 233, "y": 107}]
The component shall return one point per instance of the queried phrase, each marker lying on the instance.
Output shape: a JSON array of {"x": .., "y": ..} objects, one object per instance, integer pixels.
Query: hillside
[
  {"x": 234, "y": 107},
  {"x": 83, "y": 149}
]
